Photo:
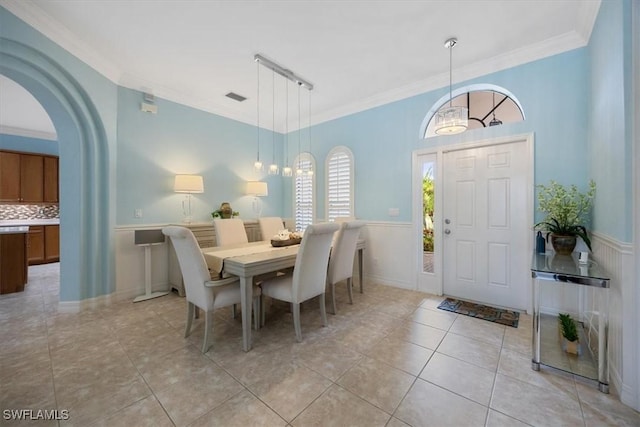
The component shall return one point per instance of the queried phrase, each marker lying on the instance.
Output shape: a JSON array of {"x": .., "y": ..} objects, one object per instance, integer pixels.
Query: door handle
[{"x": 447, "y": 231}]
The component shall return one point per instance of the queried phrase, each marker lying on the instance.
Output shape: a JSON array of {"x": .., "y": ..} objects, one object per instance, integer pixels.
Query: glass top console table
[{"x": 563, "y": 285}]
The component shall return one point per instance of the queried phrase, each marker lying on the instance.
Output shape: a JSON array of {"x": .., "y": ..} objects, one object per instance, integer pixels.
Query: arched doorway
[{"x": 86, "y": 263}]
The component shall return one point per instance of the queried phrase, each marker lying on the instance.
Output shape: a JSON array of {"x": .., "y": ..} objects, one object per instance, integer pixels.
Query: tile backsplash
[{"x": 29, "y": 211}]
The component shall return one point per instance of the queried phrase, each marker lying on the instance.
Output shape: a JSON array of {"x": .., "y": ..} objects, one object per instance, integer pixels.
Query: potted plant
[
  {"x": 224, "y": 212},
  {"x": 568, "y": 211},
  {"x": 571, "y": 342}
]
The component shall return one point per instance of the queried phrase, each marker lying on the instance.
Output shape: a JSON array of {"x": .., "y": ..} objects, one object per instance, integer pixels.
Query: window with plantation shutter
[
  {"x": 304, "y": 194},
  {"x": 339, "y": 183}
]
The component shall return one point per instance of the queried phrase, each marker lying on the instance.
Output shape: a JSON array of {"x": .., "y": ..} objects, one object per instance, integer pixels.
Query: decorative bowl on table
[{"x": 293, "y": 239}]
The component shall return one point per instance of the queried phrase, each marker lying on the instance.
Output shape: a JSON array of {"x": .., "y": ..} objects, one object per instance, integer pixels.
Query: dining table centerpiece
[{"x": 568, "y": 214}]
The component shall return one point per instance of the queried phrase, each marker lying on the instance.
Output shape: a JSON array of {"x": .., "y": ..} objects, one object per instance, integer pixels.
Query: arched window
[
  {"x": 304, "y": 191},
  {"x": 339, "y": 172},
  {"x": 488, "y": 105}
]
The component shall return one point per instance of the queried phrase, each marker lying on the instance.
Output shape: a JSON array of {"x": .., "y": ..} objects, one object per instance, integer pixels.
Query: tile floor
[{"x": 391, "y": 359}]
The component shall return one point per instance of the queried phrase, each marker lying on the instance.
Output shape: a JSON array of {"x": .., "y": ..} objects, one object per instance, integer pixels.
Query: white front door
[{"x": 486, "y": 224}]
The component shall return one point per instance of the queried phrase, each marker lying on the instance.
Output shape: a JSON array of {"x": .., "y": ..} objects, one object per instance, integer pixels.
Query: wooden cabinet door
[
  {"x": 13, "y": 262},
  {"x": 51, "y": 243},
  {"x": 9, "y": 177},
  {"x": 50, "y": 179},
  {"x": 31, "y": 178},
  {"x": 36, "y": 245}
]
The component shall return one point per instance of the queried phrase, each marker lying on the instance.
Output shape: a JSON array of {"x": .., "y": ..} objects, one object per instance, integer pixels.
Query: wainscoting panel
[
  {"x": 130, "y": 264},
  {"x": 388, "y": 257},
  {"x": 617, "y": 258}
]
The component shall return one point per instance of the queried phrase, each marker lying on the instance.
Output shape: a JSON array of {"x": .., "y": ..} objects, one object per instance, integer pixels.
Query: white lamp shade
[
  {"x": 257, "y": 188},
  {"x": 188, "y": 184}
]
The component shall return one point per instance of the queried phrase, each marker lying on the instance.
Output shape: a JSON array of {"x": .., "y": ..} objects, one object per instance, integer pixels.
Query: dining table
[{"x": 247, "y": 260}]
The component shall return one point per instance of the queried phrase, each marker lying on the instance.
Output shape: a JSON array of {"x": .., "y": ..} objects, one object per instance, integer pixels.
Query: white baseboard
[{"x": 85, "y": 304}]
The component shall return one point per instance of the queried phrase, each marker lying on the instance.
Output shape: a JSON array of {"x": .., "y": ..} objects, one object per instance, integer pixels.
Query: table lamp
[
  {"x": 188, "y": 184},
  {"x": 257, "y": 189}
]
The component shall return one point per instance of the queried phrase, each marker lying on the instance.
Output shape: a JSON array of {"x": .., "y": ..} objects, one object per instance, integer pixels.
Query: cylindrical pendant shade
[
  {"x": 188, "y": 184},
  {"x": 451, "y": 120}
]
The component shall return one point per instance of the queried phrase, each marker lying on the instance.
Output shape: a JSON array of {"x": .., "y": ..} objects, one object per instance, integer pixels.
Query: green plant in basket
[
  {"x": 568, "y": 211},
  {"x": 568, "y": 327}
]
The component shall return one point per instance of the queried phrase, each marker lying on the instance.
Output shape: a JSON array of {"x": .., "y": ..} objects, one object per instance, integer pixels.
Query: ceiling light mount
[
  {"x": 451, "y": 120},
  {"x": 282, "y": 71}
]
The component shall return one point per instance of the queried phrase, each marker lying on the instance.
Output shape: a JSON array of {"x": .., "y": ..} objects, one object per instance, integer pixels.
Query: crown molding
[
  {"x": 30, "y": 13},
  {"x": 27, "y": 133},
  {"x": 38, "y": 19},
  {"x": 534, "y": 52}
]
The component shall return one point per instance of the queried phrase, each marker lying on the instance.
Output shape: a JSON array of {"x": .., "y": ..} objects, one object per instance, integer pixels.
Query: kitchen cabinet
[
  {"x": 9, "y": 177},
  {"x": 50, "y": 181},
  {"x": 51, "y": 243},
  {"x": 35, "y": 245},
  {"x": 28, "y": 178},
  {"x": 13, "y": 259}
]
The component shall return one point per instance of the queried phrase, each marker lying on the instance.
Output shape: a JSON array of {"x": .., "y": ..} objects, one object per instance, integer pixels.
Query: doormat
[{"x": 492, "y": 314}]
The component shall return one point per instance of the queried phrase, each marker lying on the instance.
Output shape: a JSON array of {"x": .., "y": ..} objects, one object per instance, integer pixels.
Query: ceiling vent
[{"x": 235, "y": 97}]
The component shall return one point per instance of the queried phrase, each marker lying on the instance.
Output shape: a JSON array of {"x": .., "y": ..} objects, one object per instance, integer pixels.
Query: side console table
[{"x": 562, "y": 284}]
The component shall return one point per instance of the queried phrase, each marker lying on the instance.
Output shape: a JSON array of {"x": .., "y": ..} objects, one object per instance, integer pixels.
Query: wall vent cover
[{"x": 235, "y": 96}]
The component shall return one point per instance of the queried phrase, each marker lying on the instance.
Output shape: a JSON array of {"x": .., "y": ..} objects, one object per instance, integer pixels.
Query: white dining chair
[
  {"x": 309, "y": 274},
  {"x": 230, "y": 231},
  {"x": 341, "y": 261},
  {"x": 201, "y": 290},
  {"x": 269, "y": 227}
]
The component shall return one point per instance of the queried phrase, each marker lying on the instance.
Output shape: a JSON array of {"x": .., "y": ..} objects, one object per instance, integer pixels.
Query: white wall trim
[
  {"x": 85, "y": 304},
  {"x": 27, "y": 133},
  {"x": 631, "y": 395}
]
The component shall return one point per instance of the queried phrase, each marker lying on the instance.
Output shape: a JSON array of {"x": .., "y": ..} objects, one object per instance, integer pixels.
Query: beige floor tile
[
  {"x": 377, "y": 383},
  {"x": 535, "y": 405},
  {"x": 329, "y": 358},
  {"x": 497, "y": 419},
  {"x": 339, "y": 407},
  {"x": 478, "y": 329},
  {"x": 417, "y": 333},
  {"x": 129, "y": 364},
  {"x": 143, "y": 413},
  {"x": 469, "y": 350},
  {"x": 400, "y": 354},
  {"x": 93, "y": 405},
  {"x": 460, "y": 377},
  {"x": 276, "y": 389},
  {"x": 602, "y": 409},
  {"x": 190, "y": 398},
  {"x": 394, "y": 422},
  {"x": 429, "y": 405},
  {"x": 243, "y": 409},
  {"x": 517, "y": 365},
  {"x": 437, "y": 318}
]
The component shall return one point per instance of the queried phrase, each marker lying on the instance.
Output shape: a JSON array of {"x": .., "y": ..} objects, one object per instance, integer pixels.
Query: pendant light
[
  {"x": 310, "y": 170},
  {"x": 451, "y": 120},
  {"x": 257, "y": 165},
  {"x": 494, "y": 121},
  {"x": 299, "y": 165},
  {"x": 273, "y": 167},
  {"x": 286, "y": 170}
]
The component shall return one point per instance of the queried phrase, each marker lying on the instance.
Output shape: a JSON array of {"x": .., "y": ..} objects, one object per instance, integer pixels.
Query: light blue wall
[
  {"x": 553, "y": 93},
  {"x": 82, "y": 105},
  {"x": 153, "y": 148},
  {"x": 610, "y": 118},
  {"x": 28, "y": 145}
]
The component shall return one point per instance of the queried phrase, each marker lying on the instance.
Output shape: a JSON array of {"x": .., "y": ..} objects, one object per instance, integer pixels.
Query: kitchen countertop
[
  {"x": 14, "y": 230},
  {"x": 29, "y": 222}
]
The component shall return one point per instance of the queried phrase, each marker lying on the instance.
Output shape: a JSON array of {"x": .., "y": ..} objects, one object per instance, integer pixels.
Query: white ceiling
[{"x": 357, "y": 53}]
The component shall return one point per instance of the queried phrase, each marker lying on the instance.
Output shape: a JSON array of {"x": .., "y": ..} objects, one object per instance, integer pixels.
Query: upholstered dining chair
[
  {"x": 269, "y": 227},
  {"x": 201, "y": 290},
  {"x": 309, "y": 274},
  {"x": 341, "y": 261},
  {"x": 230, "y": 231}
]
